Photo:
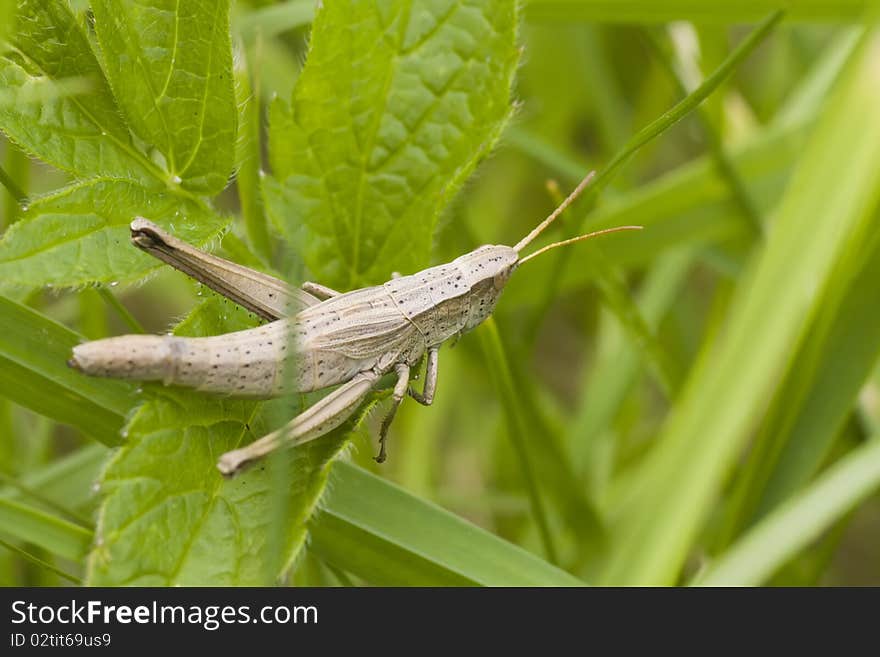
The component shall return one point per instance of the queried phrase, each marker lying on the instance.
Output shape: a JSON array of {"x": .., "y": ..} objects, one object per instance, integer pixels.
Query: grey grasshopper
[{"x": 316, "y": 337}]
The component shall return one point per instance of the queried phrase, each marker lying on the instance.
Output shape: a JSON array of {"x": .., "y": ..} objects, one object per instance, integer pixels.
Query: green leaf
[
  {"x": 396, "y": 105},
  {"x": 170, "y": 518},
  {"x": 374, "y": 529},
  {"x": 170, "y": 67},
  {"x": 712, "y": 420},
  {"x": 79, "y": 234},
  {"x": 33, "y": 372},
  {"x": 790, "y": 528},
  {"x": 81, "y": 132}
]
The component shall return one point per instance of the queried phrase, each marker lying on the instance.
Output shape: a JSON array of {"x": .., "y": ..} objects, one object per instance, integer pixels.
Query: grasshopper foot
[{"x": 383, "y": 454}]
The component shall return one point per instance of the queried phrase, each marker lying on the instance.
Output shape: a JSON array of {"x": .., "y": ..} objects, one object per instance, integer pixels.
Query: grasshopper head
[
  {"x": 485, "y": 272},
  {"x": 491, "y": 262}
]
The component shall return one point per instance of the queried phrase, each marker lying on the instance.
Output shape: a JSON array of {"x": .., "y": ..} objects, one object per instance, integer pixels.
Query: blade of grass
[
  {"x": 24, "y": 554},
  {"x": 799, "y": 521},
  {"x": 818, "y": 393},
  {"x": 60, "y": 537},
  {"x": 67, "y": 481},
  {"x": 613, "y": 375},
  {"x": 34, "y": 373},
  {"x": 738, "y": 190},
  {"x": 499, "y": 370},
  {"x": 688, "y": 103},
  {"x": 372, "y": 529}
]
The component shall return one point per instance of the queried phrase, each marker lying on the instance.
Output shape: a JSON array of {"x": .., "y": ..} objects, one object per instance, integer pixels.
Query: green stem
[
  {"x": 248, "y": 156},
  {"x": 12, "y": 187},
  {"x": 121, "y": 310},
  {"x": 19, "y": 167},
  {"x": 500, "y": 369}
]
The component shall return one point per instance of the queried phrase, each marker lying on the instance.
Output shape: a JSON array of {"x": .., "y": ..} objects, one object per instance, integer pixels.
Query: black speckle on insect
[
  {"x": 247, "y": 353},
  {"x": 320, "y": 362},
  {"x": 241, "y": 387},
  {"x": 320, "y": 374},
  {"x": 458, "y": 278},
  {"x": 271, "y": 295},
  {"x": 400, "y": 302},
  {"x": 247, "y": 365},
  {"x": 214, "y": 367}
]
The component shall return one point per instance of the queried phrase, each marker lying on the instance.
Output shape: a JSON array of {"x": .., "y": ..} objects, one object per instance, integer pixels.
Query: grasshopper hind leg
[{"x": 320, "y": 418}]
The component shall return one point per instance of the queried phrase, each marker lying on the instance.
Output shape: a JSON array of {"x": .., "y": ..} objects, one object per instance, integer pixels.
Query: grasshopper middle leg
[
  {"x": 400, "y": 389},
  {"x": 426, "y": 397}
]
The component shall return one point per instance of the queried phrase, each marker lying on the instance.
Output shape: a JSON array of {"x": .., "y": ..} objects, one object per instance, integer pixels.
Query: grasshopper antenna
[
  {"x": 558, "y": 211},
  {"x": 579, "y": 238}
]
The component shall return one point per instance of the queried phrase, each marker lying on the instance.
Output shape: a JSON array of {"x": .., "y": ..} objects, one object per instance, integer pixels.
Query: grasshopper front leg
[
  {"x": 319, "y": 291},
  {"x": 320, "y": 418}
]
